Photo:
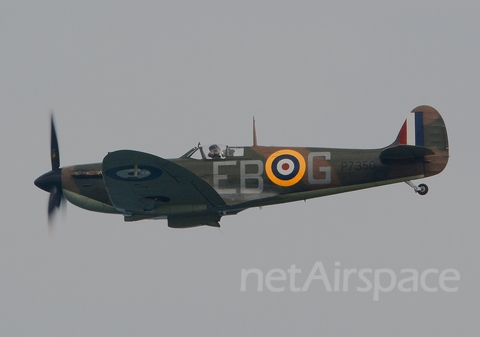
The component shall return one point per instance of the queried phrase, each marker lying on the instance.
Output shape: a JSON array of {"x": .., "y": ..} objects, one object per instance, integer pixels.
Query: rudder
[{"x": 425, "y": 130}]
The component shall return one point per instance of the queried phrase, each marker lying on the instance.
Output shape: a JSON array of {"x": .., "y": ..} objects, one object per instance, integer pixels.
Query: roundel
[
  {"x": 285, "y": 167},
  {"x": 129, "y": 173}
]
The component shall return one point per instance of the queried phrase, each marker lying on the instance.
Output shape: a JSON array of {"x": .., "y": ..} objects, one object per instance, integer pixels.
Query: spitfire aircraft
[{"x": 201, "y": 186}]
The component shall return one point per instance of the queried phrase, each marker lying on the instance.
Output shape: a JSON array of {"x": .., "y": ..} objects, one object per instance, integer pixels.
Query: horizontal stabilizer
[{"x": 400, "y": 152}]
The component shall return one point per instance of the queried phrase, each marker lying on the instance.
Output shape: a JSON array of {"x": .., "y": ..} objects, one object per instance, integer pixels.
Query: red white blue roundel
[{"x": 285, "y": 167}]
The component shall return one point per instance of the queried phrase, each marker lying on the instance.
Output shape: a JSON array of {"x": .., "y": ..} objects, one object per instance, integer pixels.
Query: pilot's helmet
[{"x": 214, "y": 151}]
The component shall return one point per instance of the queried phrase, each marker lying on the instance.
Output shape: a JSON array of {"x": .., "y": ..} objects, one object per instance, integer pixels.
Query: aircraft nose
[{"x": 48, "y": 180}]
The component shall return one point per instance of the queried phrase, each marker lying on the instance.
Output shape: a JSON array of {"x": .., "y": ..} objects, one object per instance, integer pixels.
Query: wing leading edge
[{"x": 142, "y": 186}]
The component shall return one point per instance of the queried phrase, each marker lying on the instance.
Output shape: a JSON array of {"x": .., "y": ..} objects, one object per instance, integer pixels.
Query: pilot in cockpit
[{"x": 214, "y": 151}]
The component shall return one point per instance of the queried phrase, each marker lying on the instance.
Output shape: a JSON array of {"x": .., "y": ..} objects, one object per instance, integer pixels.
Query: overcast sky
[{"x": 161, "y": 76}]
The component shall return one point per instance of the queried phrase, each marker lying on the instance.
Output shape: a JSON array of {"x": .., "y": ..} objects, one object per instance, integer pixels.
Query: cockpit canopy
[{"x": 214, "y": 152}]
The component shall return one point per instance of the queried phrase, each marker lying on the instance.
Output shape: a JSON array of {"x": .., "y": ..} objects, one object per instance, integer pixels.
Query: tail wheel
[{"x": 422, "y": 189}]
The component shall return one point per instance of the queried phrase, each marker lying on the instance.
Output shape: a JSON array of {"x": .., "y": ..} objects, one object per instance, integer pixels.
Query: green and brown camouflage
[{"x": 202, "y": 186}]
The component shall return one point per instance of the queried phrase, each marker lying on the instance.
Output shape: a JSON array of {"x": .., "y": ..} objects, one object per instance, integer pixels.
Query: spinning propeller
[{"x": 52, "y": 181}]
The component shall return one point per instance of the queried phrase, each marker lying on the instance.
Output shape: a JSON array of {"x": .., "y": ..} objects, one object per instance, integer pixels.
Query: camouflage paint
[{"x": 267, "y": 175}]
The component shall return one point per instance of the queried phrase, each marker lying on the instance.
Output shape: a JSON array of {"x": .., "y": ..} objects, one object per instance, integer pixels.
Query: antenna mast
[{"x": 254, "y": 133}]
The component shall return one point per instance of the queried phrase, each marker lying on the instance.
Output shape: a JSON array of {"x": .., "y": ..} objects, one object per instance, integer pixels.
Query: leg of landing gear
[{"x": 421, "y": 189}]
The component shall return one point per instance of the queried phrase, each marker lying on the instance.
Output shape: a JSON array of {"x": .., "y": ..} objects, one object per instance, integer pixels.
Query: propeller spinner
[{"x": 52, "y": 181}]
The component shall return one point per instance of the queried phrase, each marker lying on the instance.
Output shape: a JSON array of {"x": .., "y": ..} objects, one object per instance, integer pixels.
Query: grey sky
[{"x": 160, "y": 76}]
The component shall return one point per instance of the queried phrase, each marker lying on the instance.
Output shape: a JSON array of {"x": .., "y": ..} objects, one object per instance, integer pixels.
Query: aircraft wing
[{"x": 141, "y": 185}]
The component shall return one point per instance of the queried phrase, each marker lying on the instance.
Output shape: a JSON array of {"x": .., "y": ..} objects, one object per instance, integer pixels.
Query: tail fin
[{"x": 422, "y": 136}]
